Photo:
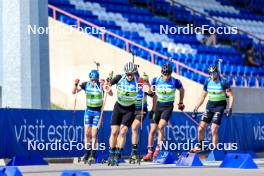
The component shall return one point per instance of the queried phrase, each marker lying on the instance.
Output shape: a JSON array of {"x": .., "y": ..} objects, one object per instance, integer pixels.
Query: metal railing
[{"x": 129, "y": 43}]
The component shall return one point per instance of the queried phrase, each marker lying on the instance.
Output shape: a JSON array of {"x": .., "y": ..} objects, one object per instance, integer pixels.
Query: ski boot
[
  {"x": 139, "y": 159},
  {"x": 156, "y": 153},
  {"x": 133, "y": 158},
  {"x": 91, "y": 160},
  {"x": 149, "y": 156},
  {"x": 116, "y": 160},
  {"x": 110, "y": 158},
  {"x": 86, "y": 156}
]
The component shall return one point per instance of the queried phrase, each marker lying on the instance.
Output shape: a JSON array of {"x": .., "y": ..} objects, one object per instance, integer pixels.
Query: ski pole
[{"x": 189, "y": 117}]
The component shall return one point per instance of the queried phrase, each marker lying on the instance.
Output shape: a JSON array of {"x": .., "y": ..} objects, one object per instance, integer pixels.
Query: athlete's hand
[
  {"x": 102, "y": 81},
  {"x": 76, "y": 82},
  {"x": 181, "y": 106},
  {"x": 195, "y": 112},
  {"x": 228, "y": 112},
  {"x": 146, "y": 77}
]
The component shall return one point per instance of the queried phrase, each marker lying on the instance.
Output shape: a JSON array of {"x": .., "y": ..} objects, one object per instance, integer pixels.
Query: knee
[
  {"x": 134, "y": 129},
  {"x": 201, "y": 129},
  {"x": 161, "y": 128},
  {"x": 114, "y": 133},
  {"x": 123, "y": 132}
]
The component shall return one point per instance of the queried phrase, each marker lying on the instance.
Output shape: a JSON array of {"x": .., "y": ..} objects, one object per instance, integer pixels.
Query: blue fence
[{"x": 52, "y": 132}]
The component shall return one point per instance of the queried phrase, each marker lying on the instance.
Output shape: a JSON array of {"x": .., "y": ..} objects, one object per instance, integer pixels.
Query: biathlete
[
  {"x": 216, "y": 87},
  {"x": 94, "y": 101},
  {"x": 140, "y": 103},
  {"x": 165, "y": 88},
  {"x": 123, "y": 112}
]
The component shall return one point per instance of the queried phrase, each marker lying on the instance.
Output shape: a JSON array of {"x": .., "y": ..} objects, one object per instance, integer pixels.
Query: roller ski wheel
[
  {"x": 79, "y": 159},
  {"x": 86, "y": 157},
  {"x": 103, "y": 161},
  {"x": 139, "y": 160},
  {"x": 133, "y": 159},
  {"x": 110, "y": 161},
  {"x": 85, "y": 161},
  {"x": 115, "y": 162}
]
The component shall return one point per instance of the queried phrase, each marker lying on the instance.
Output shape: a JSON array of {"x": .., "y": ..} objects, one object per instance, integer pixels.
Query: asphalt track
[{"x": 145, "y": 169}]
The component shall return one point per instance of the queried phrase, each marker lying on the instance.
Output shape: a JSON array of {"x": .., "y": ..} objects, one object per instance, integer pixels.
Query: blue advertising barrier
[{"x": 60, "y": 133}]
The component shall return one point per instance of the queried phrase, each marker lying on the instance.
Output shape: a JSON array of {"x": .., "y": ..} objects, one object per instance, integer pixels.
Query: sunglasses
[
  {"x": 166, "y": 74},
  {"x": 94, "y": 79},
  {"x": 213, "y": 73},
  {"x": 129, "y": 74}
]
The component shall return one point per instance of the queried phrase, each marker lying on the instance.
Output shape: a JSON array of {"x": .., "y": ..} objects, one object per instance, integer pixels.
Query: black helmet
[
  {"x": 213, "y": 69},
  {"x": 166, "y": 69}
]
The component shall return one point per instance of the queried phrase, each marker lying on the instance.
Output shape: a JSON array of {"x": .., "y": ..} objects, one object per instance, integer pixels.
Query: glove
[
  {"x": 181, "y": 106},
  {"x": 146, "y": 77},
  {"x": 228, "y": 112},
  {"x": 195, "y": 112},
  {"x": 76, "y": 82},
  {"x": 110, "y": 76},
  {"x": 150, "y": 115}
]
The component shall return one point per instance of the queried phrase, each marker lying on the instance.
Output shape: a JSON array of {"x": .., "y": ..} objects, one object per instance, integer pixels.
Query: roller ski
[
  {"x": 113, "y": 161},
  {"x": 199, "y": 149},
  {"x": 110, "y": 161}
]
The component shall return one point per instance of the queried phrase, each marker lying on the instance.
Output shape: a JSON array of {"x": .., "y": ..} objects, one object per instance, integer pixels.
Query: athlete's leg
[
  {"x": 96, "y": 118},
  {"x": 88, "y": 121},
  {"x": 214, "y": 129},
  {"x": 215, "y": 125},
  {"x": 122, "y": 136},
  {"x": 201, "y": 129},
  {"x": 205, "y": 120},
  {"x": 161, "y": 126},
  {"x": 135, "y": 126},
  {"x": 113, "y": 136},
  {"x": 152, "y": 132},
  {"x": 127, "y": 120},
  {"x": 87, "y": 132}
]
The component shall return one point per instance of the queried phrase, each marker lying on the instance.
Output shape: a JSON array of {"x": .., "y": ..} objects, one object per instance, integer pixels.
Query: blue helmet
[{"x": 94, "y": 74}]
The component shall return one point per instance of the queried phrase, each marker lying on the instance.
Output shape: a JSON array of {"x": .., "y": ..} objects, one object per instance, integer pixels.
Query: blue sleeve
[
  {"x": 177, "y": 84},
  {"x": 205, "y": 85},
  {"x": 153, "y": 82},
  {"x": 225, "y": 84}
]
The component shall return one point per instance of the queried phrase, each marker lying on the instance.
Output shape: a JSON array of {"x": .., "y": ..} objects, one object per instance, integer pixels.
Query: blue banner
[{"x": 60, "y": 133}]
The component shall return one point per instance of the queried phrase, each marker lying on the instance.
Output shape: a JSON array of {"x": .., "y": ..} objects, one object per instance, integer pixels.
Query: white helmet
[{"x": 130, "y": 67}]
